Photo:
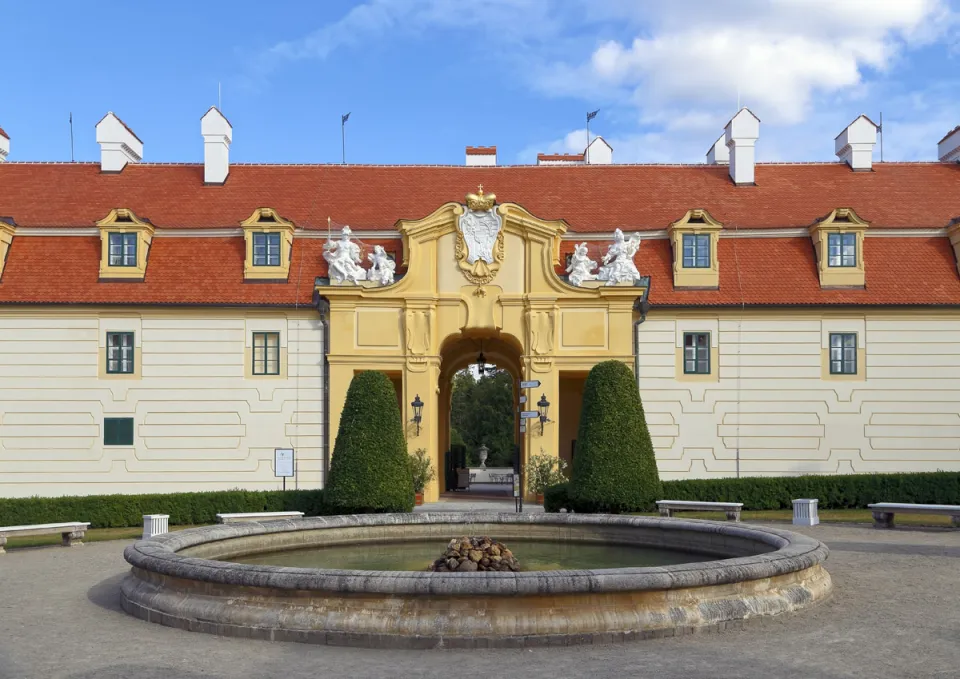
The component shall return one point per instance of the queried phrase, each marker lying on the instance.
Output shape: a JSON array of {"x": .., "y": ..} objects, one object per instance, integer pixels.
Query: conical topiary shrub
[
  {"x": 614, "y": 468},
  {"x": 369, "y": 471}
]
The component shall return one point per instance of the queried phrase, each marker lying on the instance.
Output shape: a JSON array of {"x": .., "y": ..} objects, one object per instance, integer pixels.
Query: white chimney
[
  {"x": 4, "y": 145},
  {"x": 948, "y": 149},
  {"x": 217, "y": 135},
  {"x": 481, "y": 155},
  {"x": 741, "y": 135},
  {"x": 855, "y": 144},
  {"x": 719, "y": 154},
  {"x": 599, "y": 152},
  {"x": 118, "y": 144}
]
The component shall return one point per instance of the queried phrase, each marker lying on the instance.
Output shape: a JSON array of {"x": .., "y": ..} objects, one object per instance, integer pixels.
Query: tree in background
[
  {"x": 482, "y": 413},
  {"x": 615, "y": 469},
  {"x": 370, "y": 471}
]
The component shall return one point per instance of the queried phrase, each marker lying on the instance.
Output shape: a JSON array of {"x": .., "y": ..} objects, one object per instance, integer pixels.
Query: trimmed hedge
[
  {"x": 850, "y": 491},
  {"x": 370, "y": 471},
  {"x": 120, "y": 511},
  {"x": 614, "y": 469}
]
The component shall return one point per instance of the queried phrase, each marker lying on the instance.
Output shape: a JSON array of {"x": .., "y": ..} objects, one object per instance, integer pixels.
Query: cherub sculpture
[
  {"x": 581, "y": 267},
  {"x": 383, "y": 269}
]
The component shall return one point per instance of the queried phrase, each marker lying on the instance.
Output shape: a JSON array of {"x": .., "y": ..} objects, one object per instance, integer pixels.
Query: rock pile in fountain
[{"x": 467, "y": 555}]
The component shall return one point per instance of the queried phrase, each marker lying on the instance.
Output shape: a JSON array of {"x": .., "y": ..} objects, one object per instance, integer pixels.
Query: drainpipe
[
  {"x": 323, "y": 308},
  {"x": 642, "y": 305}
]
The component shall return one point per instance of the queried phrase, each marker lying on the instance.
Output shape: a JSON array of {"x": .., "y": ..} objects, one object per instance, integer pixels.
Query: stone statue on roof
[
  {"x": 581, "y": 266},
  {"x": 343, "y": 257},
  {"x": 383, "y": 269},
  {"x": 618, "y": 266}
]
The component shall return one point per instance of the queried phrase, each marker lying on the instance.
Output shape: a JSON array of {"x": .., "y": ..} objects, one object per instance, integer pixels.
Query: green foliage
[
  {"x": 421, "y": 469},
  {"x": 369, "y": 471},
  {"x": 482, "y": 413},
  {"x": 614, "y": 469},
  {"x": 543, "y": 471},
  {"x": 119, "y": 511},
  {"x": 849, "y": 491},
  {"x": 455, "y": 438}
]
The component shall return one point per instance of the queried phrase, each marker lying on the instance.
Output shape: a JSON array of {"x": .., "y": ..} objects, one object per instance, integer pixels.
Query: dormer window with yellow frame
[
  {"x": 7, "y": 230},
  {"x": 838, "y": 242},
  {"x": 694, "y": 239},
  {"x": 269, "y": 241},
  {"x": 124, "y": 245}
]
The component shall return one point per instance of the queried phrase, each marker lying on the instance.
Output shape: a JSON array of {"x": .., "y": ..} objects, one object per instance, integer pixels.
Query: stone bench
[
  {"x": 71, "y": 532},
  {"x": 668, "y": 507},
  {"x": 257, "y": 516},
  {"x": 883, "y": 512}
]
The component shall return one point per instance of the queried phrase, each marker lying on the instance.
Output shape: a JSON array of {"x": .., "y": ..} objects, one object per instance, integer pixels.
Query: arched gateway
[{"x": 476, "y": 271}]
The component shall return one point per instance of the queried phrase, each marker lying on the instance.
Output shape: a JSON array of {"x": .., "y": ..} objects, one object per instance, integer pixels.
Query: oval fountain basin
[{"x": 729, "y": 572}]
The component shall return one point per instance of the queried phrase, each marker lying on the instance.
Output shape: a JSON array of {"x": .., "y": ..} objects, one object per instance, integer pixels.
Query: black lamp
[
  {"x": 544, "y": 406},
  {"x": 417, "y": 411},
  {"x": 481, "y": 362}
]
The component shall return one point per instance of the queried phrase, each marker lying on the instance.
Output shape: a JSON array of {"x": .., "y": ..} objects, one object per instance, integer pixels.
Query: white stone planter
[
  {"x": 155, "y": 524},
  {"x": 805, "y": 513}
]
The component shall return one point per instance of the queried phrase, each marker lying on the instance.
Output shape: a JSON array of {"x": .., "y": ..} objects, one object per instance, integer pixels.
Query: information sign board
[{"x": 283, "y": 462}]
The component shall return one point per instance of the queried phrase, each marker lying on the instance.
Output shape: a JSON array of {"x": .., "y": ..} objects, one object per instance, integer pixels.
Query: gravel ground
[{"x": 895, "y": 613}]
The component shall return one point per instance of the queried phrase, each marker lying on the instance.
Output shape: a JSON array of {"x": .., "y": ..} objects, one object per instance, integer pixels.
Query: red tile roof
[
  {"x": 206, "y": 271},
  {"x": 782, "y": 271},
  {"x": 4, "y": 134},
  {"x": 588, "y": 197},
  {"x": 481, "y": 150}
]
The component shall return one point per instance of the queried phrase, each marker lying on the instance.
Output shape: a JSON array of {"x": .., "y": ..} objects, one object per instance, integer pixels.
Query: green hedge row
[
  {"x": 851, "y": 491},
  {"x": 118, "y": 511}
]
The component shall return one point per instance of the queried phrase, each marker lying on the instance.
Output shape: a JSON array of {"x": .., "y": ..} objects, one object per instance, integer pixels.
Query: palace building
[{"x": 166, "y": 327}]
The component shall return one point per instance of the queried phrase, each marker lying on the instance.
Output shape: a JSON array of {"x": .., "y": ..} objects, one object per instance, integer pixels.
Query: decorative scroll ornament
[
  {"x": 581, "y": 267},
  {"x": 383, "y": 269},
  {"x": 479, "y": 247},
  {"x": 343, "y": 256},
  {"x": 618, "y": 266}
]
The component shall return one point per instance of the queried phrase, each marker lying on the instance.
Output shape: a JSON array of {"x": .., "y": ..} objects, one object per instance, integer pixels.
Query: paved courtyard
[{"x": 895, "y": 613}]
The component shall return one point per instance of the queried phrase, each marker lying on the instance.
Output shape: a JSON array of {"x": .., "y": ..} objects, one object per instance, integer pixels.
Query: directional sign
[
  {"x": 529, "y": 415},
  {"x": 530, "y": 384},
  {"x": 523, "y": 429},
  {"x": 523, "y": 399}
]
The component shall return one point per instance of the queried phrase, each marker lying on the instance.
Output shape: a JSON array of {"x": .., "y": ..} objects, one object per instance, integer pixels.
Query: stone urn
[{"x": 482, "y": 453}]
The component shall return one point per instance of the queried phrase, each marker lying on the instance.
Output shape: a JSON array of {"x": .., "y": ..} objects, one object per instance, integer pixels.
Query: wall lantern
[
  {"x": 543, "y": 405},
  {"x": 417, "y": 411},
  {"x": 481, "y": 362}
]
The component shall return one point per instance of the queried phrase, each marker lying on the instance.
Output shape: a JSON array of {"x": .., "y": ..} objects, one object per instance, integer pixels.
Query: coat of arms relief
[{"x": 479, "y": 247}]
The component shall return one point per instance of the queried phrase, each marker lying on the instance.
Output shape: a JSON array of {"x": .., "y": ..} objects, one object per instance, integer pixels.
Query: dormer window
[
  {"x": 842, "y": 249},
  {"x": 125, "y": 243},
  {"x": 694, "y": 239},
  {"x": 123, "y": 249},
  {"x": 266, "y": 249},
  {"x": 838, "y": 242},
  {"x": 268, "y": 241},
  {"x": 696, "y": 251}
]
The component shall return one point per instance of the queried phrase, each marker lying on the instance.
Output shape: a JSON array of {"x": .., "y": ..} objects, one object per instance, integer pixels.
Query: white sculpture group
[
  {"x": 618, "y": 266},
  {"x": 343, "y": 258}
]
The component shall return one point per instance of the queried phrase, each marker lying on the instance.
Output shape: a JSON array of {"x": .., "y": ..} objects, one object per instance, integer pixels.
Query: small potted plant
[
  {"x": 543, "y": 471},
  {"x": 421, "y": 468}
]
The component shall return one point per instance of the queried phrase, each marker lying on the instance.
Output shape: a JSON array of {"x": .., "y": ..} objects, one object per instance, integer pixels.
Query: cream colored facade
[
  {"x": 201, "y": 420},
  {"x": 773, "y": 408}
]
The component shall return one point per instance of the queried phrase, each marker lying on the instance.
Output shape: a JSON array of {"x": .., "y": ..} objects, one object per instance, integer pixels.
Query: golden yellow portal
[{"x": 477, "y": 271}]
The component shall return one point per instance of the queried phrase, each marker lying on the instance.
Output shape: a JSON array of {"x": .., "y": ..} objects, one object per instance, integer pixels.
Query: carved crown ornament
[{"x": 479, "y": 246}]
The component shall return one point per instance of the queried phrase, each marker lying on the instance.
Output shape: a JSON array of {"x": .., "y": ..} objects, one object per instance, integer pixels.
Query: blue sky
[{"x": 424, "y": 78}]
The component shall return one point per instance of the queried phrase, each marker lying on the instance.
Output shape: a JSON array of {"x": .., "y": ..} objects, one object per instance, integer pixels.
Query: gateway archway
[
  {"x": 467, "y": 272},
  {"x": 460, "y": 351}
]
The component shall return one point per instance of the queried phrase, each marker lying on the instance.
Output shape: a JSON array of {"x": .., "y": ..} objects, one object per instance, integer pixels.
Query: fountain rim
[{"x": 792, "y": 552}]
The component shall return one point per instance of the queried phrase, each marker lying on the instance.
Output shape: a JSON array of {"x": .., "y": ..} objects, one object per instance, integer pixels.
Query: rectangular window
[
  {"x": 118, "y": 431},
  {"x": 696, "y": 251},
  {"x": 266, "y": 249},
  {"x": 120, "y": 353},
  {"x": 123, "y": 249},
  {"x": 266, "y": 353},
  {"x": 842, "y": 249},
  {"x": 696, "y": 353},
  {"x": 843, "y": 353}
]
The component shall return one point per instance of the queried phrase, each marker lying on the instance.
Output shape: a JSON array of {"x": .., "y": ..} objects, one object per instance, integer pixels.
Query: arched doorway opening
[{"x": 458, "y": 367}]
